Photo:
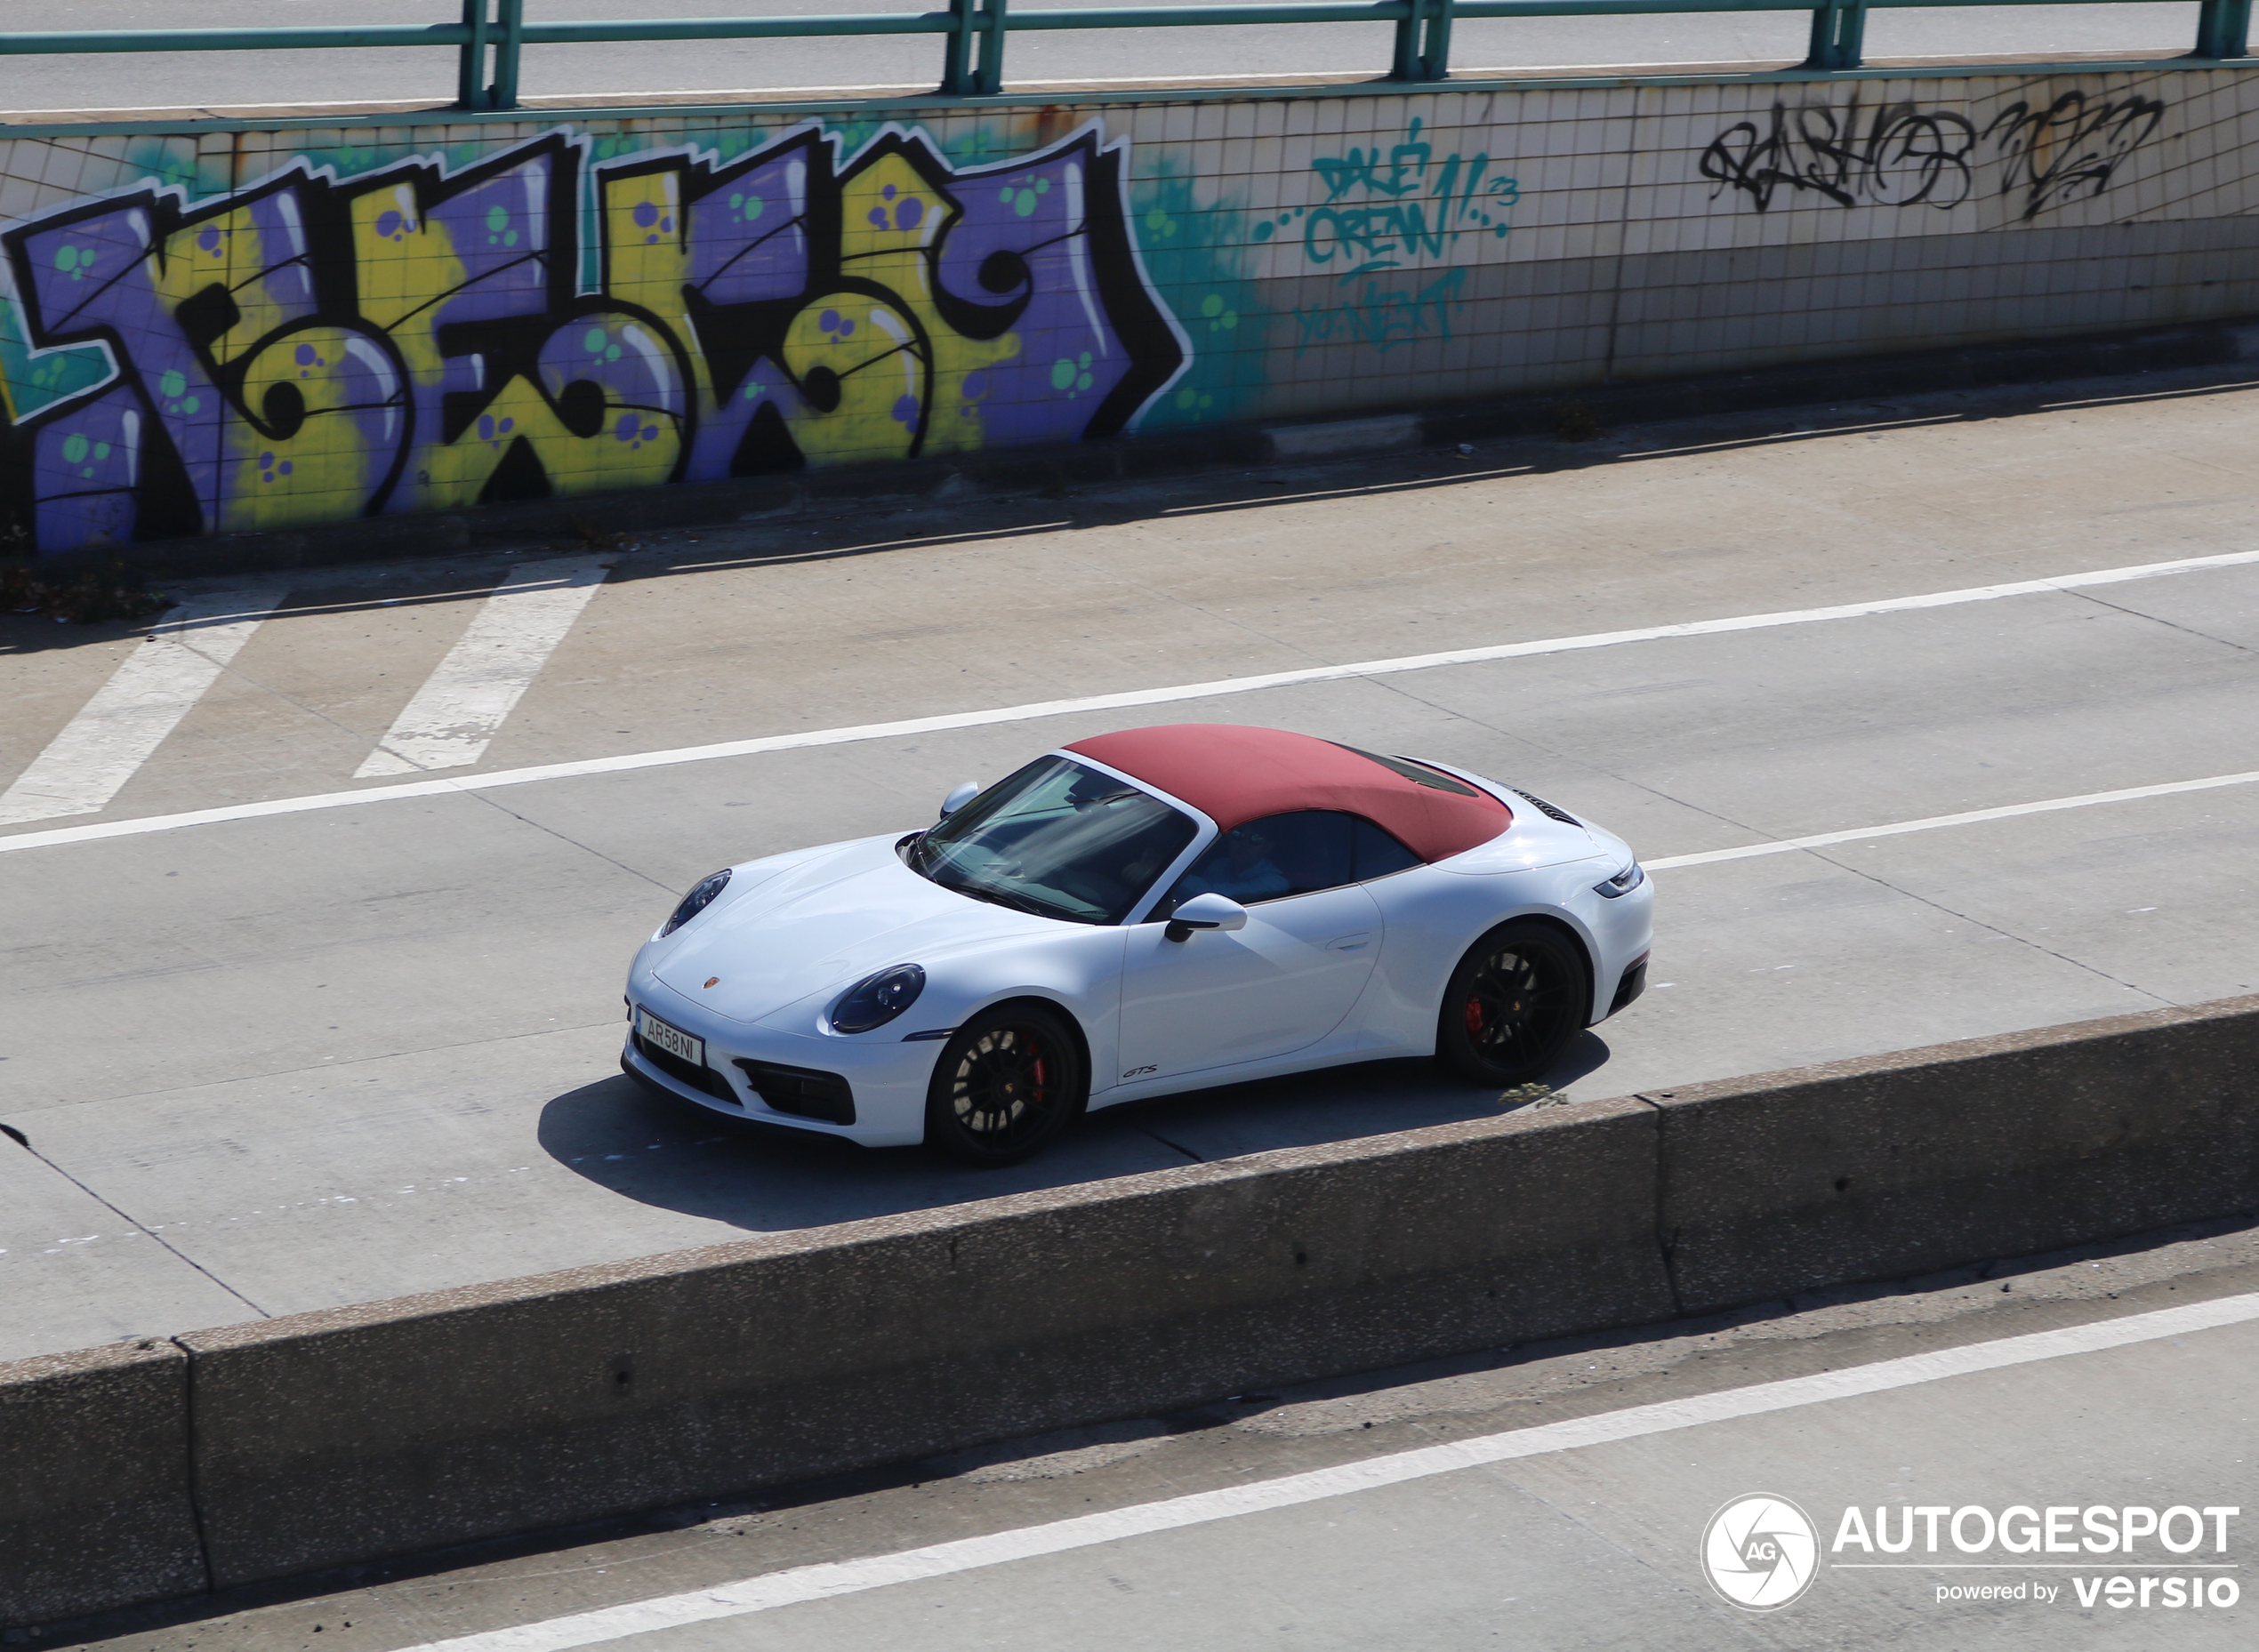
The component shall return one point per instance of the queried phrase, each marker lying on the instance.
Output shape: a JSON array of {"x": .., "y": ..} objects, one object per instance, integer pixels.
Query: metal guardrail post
[
  {"x": 972, "y": 62},
  {"x": 1406, "y": 66},
  {"x": 470, "y": 79},
  {"x": 2223, "y": 28},
  {"x": 510, "y": 19},
  {"x": 1424, "y": 42},
  {"x": 1837, "y": 30},
  {"x": 956, "y": 50},
  {"x": 988, "y": 77},
  {"x": 1436, "y": 54}
]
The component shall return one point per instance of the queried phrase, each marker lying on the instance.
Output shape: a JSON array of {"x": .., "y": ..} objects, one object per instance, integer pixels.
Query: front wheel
[
  {"x": 1011, "y": 1081},
  {"x": 1516, "y": 1000}
]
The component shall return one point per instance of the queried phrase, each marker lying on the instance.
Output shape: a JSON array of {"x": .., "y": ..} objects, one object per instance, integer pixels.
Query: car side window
[
  {"x": 1378, "y": 852},
  {"x": 1271, "y": 858}
]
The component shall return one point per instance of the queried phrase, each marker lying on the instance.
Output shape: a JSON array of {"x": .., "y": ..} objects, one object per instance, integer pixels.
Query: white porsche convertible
[{"x": 1148, "y": 912}]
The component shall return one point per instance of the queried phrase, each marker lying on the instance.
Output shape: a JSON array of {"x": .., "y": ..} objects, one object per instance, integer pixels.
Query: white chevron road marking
[
  {"x": 131, "y": 715},
  {"x": 479, "y": 685}
]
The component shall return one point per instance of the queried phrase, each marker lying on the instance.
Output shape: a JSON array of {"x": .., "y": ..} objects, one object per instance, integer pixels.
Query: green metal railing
[{"x": 494, "y": 33}]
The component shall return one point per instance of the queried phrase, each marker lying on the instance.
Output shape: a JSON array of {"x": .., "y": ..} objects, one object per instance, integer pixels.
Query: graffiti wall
[
  {"x": 438, "y": 332},
  {"x": 226, "y": 331}
]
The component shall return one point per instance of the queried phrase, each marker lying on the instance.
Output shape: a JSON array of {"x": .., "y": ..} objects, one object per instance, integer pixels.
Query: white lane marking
[
  {"x": 129, "y": 716},
  {"x": 831, "y": 1579},
  {"x": 1102, "y": 702},
  {"x": 2086, "y": 799},
  {"x": 479, "y": 685}
]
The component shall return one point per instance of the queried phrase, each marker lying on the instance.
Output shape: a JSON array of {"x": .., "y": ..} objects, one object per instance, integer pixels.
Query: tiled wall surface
[{"x": 242, "y": 329}]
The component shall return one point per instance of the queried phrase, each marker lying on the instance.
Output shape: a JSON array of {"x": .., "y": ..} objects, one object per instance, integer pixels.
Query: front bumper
[
  {"x": 888, "y": 1077},
  {"x": 1623, "y": 934}
]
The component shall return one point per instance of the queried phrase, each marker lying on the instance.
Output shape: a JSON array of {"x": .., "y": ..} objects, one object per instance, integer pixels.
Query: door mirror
[
  {"x": 1206, "y": 911},
  {"x": 959, "y": 798}
]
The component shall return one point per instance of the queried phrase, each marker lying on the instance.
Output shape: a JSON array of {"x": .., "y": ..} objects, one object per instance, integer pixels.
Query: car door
[{"x": 1220, "y": 997}]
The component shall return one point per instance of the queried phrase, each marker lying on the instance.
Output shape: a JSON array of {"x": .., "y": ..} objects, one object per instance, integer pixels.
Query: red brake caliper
[{"x": 1475, "y": 1018}]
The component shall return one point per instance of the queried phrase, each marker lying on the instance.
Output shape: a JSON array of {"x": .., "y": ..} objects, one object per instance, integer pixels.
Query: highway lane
[
  {"x": 1554, "y": 1494},
  {"x": 179, "y": 80},
  {"x": 269, "y": 1064}
]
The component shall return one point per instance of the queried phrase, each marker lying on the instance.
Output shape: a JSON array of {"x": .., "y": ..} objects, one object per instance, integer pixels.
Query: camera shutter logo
[{"x": 1760, "y": 1552}]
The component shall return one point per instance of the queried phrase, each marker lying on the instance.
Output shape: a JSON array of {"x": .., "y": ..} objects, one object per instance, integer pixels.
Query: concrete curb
[
  {"x": 381, "y": 1429},
  {"x": 1927, "y": 1159},
  {"x": 1057, "y": 468},
  {"x": 326, "y": 1438},
  {"x": 96, "y": 1507}
]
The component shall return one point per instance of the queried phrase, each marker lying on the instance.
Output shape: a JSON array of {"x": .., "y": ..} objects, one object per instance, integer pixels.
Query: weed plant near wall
[{"x": 112, "y": 593}]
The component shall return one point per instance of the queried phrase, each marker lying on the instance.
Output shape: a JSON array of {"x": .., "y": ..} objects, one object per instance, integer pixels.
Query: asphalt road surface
[
  {"x": 1556, "y": 1496},
  {"x": 195, "y": 883},
  {"x": 203, "y": 79}
]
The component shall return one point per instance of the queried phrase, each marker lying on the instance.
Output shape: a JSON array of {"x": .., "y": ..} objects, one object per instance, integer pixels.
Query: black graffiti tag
[
  {"x": 1902, "y": 155},
  {"x": 1897, "y": 156},
  {"x": 2055, "y": 154}
]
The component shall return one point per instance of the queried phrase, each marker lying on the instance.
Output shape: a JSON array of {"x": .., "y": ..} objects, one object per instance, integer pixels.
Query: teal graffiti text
[
  {"x": 1382, "y": 312},
  {"x": 1383, "y": 207}
]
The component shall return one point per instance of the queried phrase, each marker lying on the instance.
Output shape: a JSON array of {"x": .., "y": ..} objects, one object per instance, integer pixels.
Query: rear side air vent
[{"x": 1545, "y": 808}]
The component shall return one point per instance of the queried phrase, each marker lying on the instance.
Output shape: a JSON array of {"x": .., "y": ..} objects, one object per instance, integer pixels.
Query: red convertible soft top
[{"x": 1233, "y": 774}]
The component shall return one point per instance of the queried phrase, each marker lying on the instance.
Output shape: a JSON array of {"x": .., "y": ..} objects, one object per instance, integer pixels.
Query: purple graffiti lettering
[
  {"x": 247, "y": 332},
  {"x": 194, "y": 378}
]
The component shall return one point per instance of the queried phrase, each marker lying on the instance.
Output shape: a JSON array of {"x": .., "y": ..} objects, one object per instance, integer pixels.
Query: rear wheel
[
  {"x": 1516, "y": 1000},
  {"x": 1011, "y": 1081}
]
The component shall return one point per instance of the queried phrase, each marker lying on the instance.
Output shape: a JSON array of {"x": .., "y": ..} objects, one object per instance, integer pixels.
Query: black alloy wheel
[
  {"x": 1516, "y": 999},
  {"x": 1011, "y": 1081}
]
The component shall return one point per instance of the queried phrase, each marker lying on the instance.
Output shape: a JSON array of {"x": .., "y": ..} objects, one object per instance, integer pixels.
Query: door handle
[{"x": 1349, "y": 943}]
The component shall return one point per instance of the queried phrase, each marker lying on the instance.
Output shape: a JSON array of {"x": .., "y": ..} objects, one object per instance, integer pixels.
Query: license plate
[{"x": 674, "y": 1040}]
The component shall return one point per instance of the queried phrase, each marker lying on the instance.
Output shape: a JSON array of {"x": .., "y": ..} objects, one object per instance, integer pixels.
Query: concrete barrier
[
  {"x": 389, "y": 1427},
  {"x": 370, "y": 1430},
  {"x": 1926, "y": 1158},
  {"x": 95, "y": 1509}
]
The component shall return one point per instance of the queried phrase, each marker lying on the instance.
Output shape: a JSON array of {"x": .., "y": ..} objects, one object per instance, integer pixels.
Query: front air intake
[
  {"x": 1634, "y": 983},
  {"x": 696, "y": 1077},
  {"x": 802, "y": 1091}
]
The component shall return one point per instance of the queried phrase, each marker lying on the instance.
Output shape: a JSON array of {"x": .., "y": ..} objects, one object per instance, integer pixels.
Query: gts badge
[{"x": 1140, "y": 1072}]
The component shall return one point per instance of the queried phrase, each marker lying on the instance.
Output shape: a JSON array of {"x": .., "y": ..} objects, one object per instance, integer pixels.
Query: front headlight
[
  {"x": 702, "y": 895},
  {"x": 1623, "y": 882},
  {"x": 877, "y": 999}
]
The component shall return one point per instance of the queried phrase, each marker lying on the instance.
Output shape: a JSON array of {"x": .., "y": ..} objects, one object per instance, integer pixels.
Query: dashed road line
[
  {"x": 1130, "y": 699},
  {"x": 452, "y": 717},
  {"x": 2046, "y": 805},
  {"x": 132, "y": 714}
]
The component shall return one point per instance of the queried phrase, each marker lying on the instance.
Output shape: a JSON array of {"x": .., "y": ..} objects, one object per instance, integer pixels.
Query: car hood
[
  {"x": 1533, "y": 841},
  {"x": 826, "y": 922}
]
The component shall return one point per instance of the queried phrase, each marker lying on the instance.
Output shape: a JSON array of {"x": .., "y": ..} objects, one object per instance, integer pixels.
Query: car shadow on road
[{"x": 681, "y": 1157}]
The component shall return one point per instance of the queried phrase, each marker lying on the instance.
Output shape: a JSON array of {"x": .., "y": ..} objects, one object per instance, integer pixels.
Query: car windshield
[{"x": 1059, "y": 840}]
